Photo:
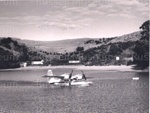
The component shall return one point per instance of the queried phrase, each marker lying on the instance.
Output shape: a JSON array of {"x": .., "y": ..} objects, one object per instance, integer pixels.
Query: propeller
[
  {"x": 83, "y": 75},
  {"x": 70, "y": 75}
]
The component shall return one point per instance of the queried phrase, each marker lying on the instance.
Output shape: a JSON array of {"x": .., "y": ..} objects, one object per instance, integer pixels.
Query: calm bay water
[{"x": 25, "y": 91}]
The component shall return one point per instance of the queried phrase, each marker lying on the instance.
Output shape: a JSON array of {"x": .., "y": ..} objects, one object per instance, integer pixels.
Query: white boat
[{"x": 135, "y": 78}]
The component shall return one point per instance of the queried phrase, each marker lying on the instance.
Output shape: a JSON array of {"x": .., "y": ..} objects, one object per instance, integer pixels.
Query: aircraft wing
[
  {"x": 89, "y": 77},
  {"x": 65, "y": 76}
]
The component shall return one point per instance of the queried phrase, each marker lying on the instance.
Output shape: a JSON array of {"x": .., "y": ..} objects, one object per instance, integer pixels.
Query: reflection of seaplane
[{"x": 67, "y": 79}]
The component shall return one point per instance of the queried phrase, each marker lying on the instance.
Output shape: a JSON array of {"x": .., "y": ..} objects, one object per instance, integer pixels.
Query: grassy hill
[
  {"x": 88, "y": 50},
  {"x": 57, "y": 46},
  {"x": 70, "y": 45}
]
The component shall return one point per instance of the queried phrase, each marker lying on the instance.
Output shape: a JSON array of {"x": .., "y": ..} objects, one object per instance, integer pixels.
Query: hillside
[
  {"x": 103, "y": 51},
  {"x": 57, "y": 46},
  {"x": 88, "y": 50},
  {"x": 70, "y": 45},
  {"x": 12, "y": 53}
]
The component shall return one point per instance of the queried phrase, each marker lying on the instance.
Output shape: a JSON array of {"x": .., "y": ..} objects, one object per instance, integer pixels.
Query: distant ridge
[{"x": 70, "y": 45}]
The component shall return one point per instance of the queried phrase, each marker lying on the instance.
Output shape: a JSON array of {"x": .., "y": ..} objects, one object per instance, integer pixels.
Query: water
[{"x": 25, "y": 91}]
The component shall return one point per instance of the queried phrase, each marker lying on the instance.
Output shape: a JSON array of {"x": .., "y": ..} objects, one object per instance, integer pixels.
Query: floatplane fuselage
[{"x": 67, "y": 79}]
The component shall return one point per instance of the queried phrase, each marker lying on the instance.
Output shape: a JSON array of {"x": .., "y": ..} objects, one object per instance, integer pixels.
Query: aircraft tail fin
[
  {"x": 50, "y": 73},
  {"x": 83, "y": 75}
]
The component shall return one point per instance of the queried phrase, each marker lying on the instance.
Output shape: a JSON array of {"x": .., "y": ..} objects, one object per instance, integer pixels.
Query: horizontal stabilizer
[{"x": 46, "y": 76}]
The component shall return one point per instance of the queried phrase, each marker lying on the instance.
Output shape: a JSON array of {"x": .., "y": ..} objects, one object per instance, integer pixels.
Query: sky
[{"x": 49, "y": 20}]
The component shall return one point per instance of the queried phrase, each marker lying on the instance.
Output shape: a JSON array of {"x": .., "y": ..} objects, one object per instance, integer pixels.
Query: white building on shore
[
  {"x": 37, "y": 62},
  {"x": 74, "y": 62},
  {"x": 23, "y": 64}
]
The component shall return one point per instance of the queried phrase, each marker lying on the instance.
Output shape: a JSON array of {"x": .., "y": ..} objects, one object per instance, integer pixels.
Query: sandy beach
[
  {"x": 122, "y": 68},
  {"x": 103, "y": 68}
]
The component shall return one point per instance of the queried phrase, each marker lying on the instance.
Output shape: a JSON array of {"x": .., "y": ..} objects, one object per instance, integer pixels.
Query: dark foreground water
[{"x": 25, "y": 91}]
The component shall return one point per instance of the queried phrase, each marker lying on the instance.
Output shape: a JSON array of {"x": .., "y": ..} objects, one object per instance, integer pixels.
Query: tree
[
  {"x": 6, "y": 40},
  {"x": 145, "y": 30},
  {"x": 141, "y": 49},
  {"x": 79, "y": 49}
]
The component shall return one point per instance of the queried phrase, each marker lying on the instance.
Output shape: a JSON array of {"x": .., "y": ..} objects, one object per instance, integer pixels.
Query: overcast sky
[{"x": 67, "y": 19}]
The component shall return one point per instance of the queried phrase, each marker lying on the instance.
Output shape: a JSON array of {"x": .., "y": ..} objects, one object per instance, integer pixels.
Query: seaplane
[{"x": 67, "y": 79}]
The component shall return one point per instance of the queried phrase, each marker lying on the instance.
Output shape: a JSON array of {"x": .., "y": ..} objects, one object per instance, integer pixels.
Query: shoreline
[{"x": 122, "y": 68}]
